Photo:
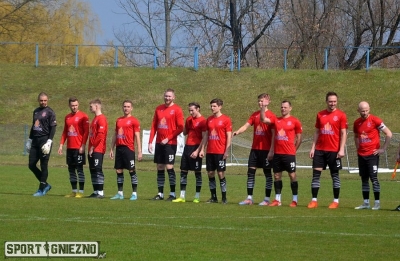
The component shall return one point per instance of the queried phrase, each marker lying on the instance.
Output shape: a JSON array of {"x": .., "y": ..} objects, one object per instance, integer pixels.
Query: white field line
[{"x": 95, "y": 220}]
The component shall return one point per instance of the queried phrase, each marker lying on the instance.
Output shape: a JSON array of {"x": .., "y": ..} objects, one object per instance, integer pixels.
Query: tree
[{"x": 242, "y": 15}]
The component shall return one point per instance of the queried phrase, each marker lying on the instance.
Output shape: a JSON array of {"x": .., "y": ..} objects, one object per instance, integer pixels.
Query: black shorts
[
  {"x": 96, "y": 161},
  {"x": 284, "y": 162},
  {"x": 323, "y": 158},
  {"x": 368, "y": 165},
  {"x": 74, "y": 158},
  {"x": 164, "y": 154},
  {"x": 188, "y": 163},
  {"x": 124, "y": 158},
  {"x": 258, "y": 159},
  {"x": 215, "y": 162}
]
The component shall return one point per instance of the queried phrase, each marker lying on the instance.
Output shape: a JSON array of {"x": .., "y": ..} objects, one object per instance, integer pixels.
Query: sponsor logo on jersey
[
  {"x": 259, "y": 131},
  {"x": 282, "y": 135},
  {"x": 162, "y": 124},
  {"x": 72, "y": 132},
  {"x": 327, "y": 129},
  {"x": 213, "y": 135}
]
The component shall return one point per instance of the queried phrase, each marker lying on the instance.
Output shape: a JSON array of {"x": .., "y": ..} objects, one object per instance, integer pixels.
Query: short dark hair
[
  {"x": 264, "y": 95},
  {"x": 219, "y": 102},
  {"x": 284, "y": 101},
  {"x": 127, "y": 101},
  {"x": 72, "y": 99},
  {"x": 195, "y": 104},
  {"x": 95, "y": 101},
  {"x": 42, "y": 94},
  {"x": 170, "y": 90},
  {"x": 330, "y": 94}
]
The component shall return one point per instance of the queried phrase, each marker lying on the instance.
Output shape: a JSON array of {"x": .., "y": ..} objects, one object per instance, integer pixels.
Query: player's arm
[
  {"x": 388, "y": 137},
  {"x": 343, "y": 138},
  {"x": 63, "y": 138},
  {"x": 101, "y": 134},
  {"x": 315, "y": 139},
  {"x": 228, "y": 143},
  {"x": 271, "y": 152},
  {"x": 113, "y": 140},
  {"x": 299, "y": 140},
  {"x": 153, "y": 131},
  {"x": 356, "y": 136},
  {"x": 85, "y": 134},
  {"x": 179, "y": 118},
  {"x": 242, "y": 129},
  {"x": 139, "y": 145},
  {"x": 203, "y": 144}
]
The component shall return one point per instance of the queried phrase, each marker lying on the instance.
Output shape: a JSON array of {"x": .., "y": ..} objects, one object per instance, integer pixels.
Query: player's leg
[
  {"x": 294, "y": 185},
  {"x": 221, "y": 168},
  {"x": 335, "y": 164},
  {"x": 318, "y": 165},
  {"x": 184, "y": 172},
  {"x": 81, "y": 174},
  {"x": 211, "y": 166},
  {"x": 44, "y": 166},
  {"x": 71, "y": 163},
  {"x": 268, "y": 181},
  {"x": 197, "y": 173},
  {"x": 278, "y": 166},
  {"x": 251, "y": 174},
  {"x": 159, "y": 159},
  {"x": 373, "y": 165},
  {"x": 93, "y": 176},
  {"x": 97, "y": 175},
  {"x": 363, "y": 172},
  {"x": 170, "y": 152}
]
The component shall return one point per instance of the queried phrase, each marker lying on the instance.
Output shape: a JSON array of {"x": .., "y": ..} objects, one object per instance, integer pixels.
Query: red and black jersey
[
  {"x": 167, "y": 123},
  {"x": 98, "y": 134},
  {"x": 194, "y": 129},
  {"x": 262, "y": 133},
  {"x": 330, "y": 125},
  {"x": 76, "y": 130},
  {"x": 285, "y": 135},
  {"x": 125, "y": 128},
  {"x": 367, "y": 132},
  {"x": 217, "y": 128}
]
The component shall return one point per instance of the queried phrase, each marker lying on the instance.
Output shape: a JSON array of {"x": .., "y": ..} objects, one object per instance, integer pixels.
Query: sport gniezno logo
[{"x": 51, "y": 249}]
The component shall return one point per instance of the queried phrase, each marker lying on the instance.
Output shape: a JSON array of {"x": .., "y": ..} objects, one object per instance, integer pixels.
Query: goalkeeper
[{"x": 39, "y": 143}]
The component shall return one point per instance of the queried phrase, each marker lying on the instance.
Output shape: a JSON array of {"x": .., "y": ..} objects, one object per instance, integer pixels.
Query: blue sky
[{"x": 106, "y": 11}]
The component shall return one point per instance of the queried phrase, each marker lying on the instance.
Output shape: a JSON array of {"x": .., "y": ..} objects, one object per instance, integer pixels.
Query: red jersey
[
  {"x": 76, "y": 130},
  {"x": 286, "y": 130},
  {"x": 194, "y": 129},
  {"x": 167, "y": 123},
  {"x": 98, "y": 134},
  {"x": 125, "y": 128},
  {"x": 262, "y": 133},
  {"x": 329, "y": 125},
  {"x": 367, "y": 133},
  {"x": 217, "y": 128}
]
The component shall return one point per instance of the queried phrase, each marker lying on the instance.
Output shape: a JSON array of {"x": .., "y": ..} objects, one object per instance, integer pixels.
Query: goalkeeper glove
[
  {"x": 46, "y": 147},
  {"x": 28, "y": 145}
]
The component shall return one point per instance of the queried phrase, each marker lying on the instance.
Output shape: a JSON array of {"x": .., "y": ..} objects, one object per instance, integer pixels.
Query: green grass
[{"x": 148, "y": 230}]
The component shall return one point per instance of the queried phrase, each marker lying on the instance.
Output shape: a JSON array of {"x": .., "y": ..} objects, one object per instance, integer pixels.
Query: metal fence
[{"x": 184, "y": 56}]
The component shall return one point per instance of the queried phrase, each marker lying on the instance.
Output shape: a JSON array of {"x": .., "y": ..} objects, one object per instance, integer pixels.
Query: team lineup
[{"x": 276, "y": 138}]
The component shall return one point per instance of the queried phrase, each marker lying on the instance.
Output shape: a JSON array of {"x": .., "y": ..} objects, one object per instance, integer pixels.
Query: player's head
[
  {"x": 95, "y": 105},
  {"x": 43, "y": 98},
  {"x": 73, "y": 104},
  {"x": 169, "y": 97},
  {"x": 127, "y": 107},
  {"x": 264, "y": 99},
  {"x": 194, "y": 109},
  {"x": 216, "y": 105},
  {"x": 363, "y": 109},
  {"x": 331, "y": 101},
  {"x": 286, "y": 108}
]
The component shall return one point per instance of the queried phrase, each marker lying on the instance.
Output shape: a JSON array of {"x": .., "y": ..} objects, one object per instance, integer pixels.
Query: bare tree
[
  {"x": 155, "y": 22},
  {"x": 240, "y": 15}
]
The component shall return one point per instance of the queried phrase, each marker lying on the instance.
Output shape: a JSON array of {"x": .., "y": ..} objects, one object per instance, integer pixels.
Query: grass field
[{"x": 148, "y": 230}]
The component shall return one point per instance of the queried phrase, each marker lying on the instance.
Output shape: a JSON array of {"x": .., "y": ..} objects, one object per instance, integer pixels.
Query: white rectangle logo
[{"x": 51, "y": 249}]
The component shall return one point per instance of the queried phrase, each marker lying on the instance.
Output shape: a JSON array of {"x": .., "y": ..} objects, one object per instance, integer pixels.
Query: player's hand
[
  {"x": 140, "y": 156},
  {"x": 150, "y": 148},
  {"x": 82, "y": 149},
  {"x": 270, "y": 155},
  {"x": 194, "y": 154},
  {"x": 235, "y": 133},
  {"x": 340, "y": 154},
  {"x": 90, "y": 152},
  {"x": 164, "y": 141},
  {"x": 111, "y": 154},
  {"x": 201, "y": 154},
  {"x": 60, "y": 149},
  {"x": 226, "y": 154},
  {"x": 312, "y": 153},
  {"x": 379, "y": 151},
  {"x": 47, "y": 147},
  {"x": 28, "y": 145}
]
